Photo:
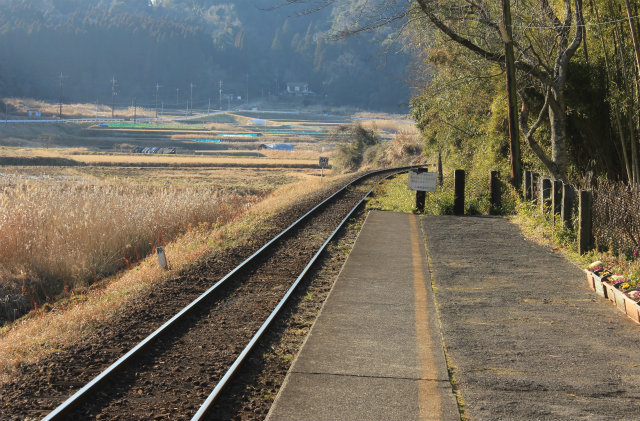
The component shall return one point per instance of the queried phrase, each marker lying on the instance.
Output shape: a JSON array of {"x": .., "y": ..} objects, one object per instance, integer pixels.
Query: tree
[
  {"x": 544, "y": 42},
  {"x": 542, "y": 58}
]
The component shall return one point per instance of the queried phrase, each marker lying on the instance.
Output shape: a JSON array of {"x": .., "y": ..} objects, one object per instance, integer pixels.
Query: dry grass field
[
  {"x": 78, "y": 225},
  {"x": 58, "y": 324},
  {"x": 64, "y": 228},
  {"x": 191, "y": 160},
  {"x": 23, "y": 105},
  {"x": 60, "y": 233}
]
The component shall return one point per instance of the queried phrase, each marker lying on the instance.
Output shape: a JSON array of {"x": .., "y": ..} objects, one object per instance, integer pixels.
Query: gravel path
[{"x": 525, "y": 336}]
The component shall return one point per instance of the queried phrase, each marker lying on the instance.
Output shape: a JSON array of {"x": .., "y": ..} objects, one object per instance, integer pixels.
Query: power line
[{"x": 584, "y": 25}]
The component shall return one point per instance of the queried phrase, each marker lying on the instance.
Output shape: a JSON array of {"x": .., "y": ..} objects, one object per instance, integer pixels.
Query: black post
[
  {"x": 585, "y": 234},
  {"x": 494, "y": 183},
  {"x": 458, "y": 196},
  {"x": 566, "y": 213},
  {"x": 556, "y": 198},
  {"x": 527, "y": 185},
  {"x": 420, "y": 194},
  {"x": 545, "y": 194},
  {"x": 440, "y": 174},
  {"x": 420, "y": 199}
]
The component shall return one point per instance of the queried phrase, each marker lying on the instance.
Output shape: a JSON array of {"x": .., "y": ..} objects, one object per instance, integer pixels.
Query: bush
[
  {"x": 353, "y": 141},
  {"x": 362, "y": 148}
]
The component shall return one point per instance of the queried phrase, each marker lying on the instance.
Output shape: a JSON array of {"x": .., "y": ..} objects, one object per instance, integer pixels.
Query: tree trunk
[{"x": 557, "y": 120}]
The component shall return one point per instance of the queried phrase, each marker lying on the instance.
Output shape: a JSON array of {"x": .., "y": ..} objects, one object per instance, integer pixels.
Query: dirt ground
[{"x": 525, "y": 337}]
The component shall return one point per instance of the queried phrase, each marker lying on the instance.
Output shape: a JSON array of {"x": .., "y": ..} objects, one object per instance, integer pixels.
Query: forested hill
[{"x": 176, "y": 43}]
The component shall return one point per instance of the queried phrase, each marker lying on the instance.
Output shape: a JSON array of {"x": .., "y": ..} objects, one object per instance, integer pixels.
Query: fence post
[
  {"x": 535, "y": 189},
  {"x": 494, "y": 182},
  {"x": 545, "y": 194},
  {"x": 585, "y": 234},
  {"x": 556, "y": 198},
  {"x": 458, "y": 196},
  {"x": 440, "y": 179},
  {"x": 566, "y": 213},
  {"x": 527, "y": 185}
]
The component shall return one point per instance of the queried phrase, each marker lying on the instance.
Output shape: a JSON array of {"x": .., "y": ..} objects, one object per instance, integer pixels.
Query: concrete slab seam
[
  {"x": 364, "y": 376},
  {"x": 450, "y": 367}
]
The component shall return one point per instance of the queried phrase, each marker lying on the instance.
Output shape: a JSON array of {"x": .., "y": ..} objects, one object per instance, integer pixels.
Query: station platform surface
[
  {"x": 525, "y": 337},
  {"x": 375, "y": 352}
]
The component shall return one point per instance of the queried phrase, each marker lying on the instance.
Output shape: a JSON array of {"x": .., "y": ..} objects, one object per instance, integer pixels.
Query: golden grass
[
  {"x": 58, "y": 233},
  {"x": 391, "y": 126},
  {"x": 39, "y": 152},
  {"x": 22, "y": 105},
  {"x": 153, "y": 159},
  {"x": 303, "y": 154},
  {"x": 41, "y": 333}
]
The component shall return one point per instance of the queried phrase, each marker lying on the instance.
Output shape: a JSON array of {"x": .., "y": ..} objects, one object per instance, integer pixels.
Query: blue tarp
[{"x": 208, "y": 140}]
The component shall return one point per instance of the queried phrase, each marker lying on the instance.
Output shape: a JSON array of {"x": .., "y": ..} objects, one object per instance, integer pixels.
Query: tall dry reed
[{"x": 64, "y": 234}]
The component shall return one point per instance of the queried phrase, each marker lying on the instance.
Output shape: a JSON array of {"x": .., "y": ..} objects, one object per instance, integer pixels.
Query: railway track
[{"x": 179, "y": 370}]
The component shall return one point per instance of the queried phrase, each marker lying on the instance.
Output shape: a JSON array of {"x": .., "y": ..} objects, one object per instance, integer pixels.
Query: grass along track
[{"x": 61, "y": 375}]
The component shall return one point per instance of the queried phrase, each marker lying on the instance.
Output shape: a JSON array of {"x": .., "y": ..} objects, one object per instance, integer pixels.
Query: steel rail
[
  {"x": 200, "y": 414},
  {"x": 82, "y": 393}
]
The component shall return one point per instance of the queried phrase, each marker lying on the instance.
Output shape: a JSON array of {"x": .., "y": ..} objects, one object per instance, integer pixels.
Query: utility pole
[
  {"x": 191, "y": 85},
  {"x": 209, "y": 107},
  {"x": 158, "y": 86},
  {"x": 114, "y": 83},
  {"x": 247, "y": 97},
  {"x": 177, "y": 94},
  {"x": 96, "y": 108},
  {"x": 220, "y": 92},
  {"x": 135, "y": 110},
  {"x": 514, "y": 135},
  {"x": 60, "y": 99}
]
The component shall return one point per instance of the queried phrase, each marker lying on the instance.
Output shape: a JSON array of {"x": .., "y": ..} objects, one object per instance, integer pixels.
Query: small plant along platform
[{"x": 623, "y": 292}]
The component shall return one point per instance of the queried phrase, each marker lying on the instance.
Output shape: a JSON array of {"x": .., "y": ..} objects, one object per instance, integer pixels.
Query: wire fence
[
  {"x": 481, "y": 197},
  {"x": 616, "y": 217}
]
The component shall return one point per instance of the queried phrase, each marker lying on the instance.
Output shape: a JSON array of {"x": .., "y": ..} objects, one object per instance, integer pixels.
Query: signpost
[
  {"x": 422, "y": 181},
  {"x": 323, "y": 163}
]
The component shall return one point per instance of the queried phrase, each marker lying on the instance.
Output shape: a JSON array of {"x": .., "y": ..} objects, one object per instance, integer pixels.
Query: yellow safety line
[{"x": 429, "y": 403}]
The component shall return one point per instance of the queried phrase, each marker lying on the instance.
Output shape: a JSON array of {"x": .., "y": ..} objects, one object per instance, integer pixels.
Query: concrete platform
[{"x": 375, "y": 352}]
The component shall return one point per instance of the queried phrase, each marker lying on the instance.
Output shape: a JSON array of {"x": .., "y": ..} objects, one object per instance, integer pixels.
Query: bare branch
[
  {"x": 489, "y": 55},
  {"x": 551, "y": 15},
  {"x": 527, "y": 132}
]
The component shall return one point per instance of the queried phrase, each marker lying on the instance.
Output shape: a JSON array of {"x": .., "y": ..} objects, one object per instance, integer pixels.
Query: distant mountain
[{"x": 176, "y": 43}]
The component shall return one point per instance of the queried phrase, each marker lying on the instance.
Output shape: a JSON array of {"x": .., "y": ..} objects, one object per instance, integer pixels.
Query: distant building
[{"x": 298, "y": 88}]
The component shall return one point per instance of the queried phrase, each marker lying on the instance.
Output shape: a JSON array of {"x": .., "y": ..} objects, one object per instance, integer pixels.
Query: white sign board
[{"x": 424, "y": 181}]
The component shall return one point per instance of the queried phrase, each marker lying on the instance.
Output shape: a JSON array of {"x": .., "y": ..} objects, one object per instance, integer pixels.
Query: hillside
[{"x": 176, "y": 43}]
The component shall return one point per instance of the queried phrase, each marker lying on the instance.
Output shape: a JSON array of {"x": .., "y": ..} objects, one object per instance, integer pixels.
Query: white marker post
[{"x": 162, "y": 258}]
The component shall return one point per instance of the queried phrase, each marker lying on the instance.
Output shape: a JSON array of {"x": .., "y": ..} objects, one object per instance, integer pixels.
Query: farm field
[{"x": 81, "y": 213}]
